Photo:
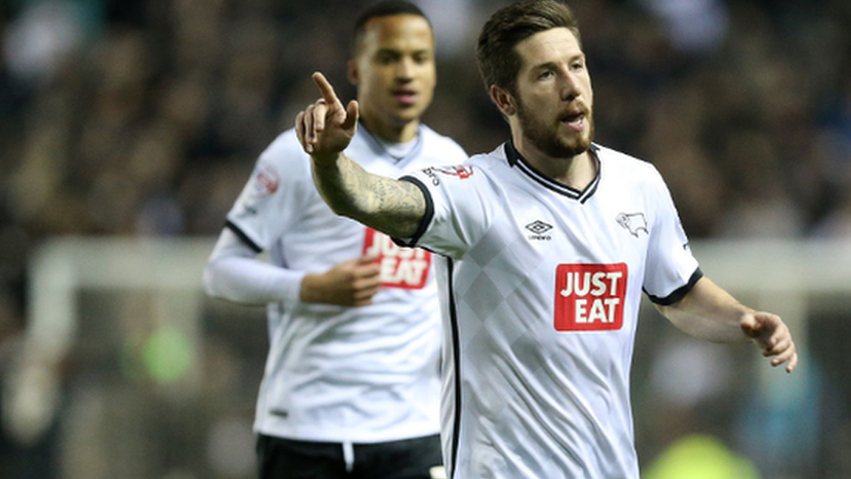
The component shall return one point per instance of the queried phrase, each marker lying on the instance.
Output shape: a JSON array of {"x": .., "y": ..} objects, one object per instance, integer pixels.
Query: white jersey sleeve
[
  {"x": 273, "y": 195},
  {"x": 671, "y": 269},
  {"x": 234, "y": 273},
  {"x": 452, "y": 192}
]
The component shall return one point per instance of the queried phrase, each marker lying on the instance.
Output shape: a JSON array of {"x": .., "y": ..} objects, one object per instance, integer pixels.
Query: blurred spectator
[
  {"x": 694, "y": 26},
  {"x": 42, "y": 37},
  {"x": 142, "y": 97}
]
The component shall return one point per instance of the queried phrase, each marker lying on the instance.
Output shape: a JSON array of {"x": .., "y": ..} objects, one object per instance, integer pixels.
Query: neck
[
  {"x": 390, "y": 133},
  {"x": 574, "y": 171}
]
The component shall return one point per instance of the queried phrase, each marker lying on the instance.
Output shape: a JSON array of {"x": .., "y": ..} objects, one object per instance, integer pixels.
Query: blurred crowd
[{"x": 144, "y": 117}]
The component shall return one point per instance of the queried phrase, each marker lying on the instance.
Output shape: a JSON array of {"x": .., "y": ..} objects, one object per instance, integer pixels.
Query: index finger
[{"x": 325, "y": 87}]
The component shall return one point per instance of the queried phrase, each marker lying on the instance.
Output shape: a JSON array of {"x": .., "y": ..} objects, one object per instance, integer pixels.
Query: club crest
[{"x": 633, "y": 222}]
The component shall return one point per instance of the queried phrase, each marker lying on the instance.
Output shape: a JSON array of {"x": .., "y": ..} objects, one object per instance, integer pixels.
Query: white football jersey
[
  {"x": 540, "y": 289},
  {"x": 340, "y": 374}
]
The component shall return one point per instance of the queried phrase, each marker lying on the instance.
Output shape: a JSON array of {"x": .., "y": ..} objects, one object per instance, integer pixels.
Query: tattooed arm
[
  {"x": 325, "y": 129},
  {"x": 387, "y": 205}
]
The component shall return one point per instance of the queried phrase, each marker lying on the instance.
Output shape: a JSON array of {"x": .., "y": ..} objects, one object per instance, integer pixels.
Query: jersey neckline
[{"x": 514, "y": 158}]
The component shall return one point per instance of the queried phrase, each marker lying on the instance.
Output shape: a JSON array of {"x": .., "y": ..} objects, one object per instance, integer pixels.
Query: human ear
[
  {"x": 352, "y": 72},
  {"x": 503, "y": 100}
]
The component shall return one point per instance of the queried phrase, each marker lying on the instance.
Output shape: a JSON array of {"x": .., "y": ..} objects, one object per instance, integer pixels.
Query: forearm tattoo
[{"x": 388, "y": 205}]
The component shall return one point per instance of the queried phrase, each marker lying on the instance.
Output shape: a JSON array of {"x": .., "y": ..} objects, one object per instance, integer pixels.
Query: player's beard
[{"x": 547, "y": 139}]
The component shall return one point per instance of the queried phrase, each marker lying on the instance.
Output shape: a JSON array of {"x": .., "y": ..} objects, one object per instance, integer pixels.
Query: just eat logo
[
  {"x": 590, "y": 297},
  {"x": 400, "y": 267}
]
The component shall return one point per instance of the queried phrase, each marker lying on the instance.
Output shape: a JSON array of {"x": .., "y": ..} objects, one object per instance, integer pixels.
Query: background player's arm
[
  {"x": 234, "y": 273},
  {"x": 350, "y": 283},
  {"x": 325, "y": 130},
  {"x": 708, "y": 312}
]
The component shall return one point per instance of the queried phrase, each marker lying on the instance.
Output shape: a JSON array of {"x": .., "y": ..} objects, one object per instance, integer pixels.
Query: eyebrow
[
  {"x": 553, "y": 64},
  {"x": 544, "y": 66},
  {"x": 396, "y": 51}
]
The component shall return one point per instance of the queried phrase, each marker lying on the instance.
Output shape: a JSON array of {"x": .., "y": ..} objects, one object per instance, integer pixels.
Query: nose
[
  {"x": 405, "y": 69},
  {"x": 570, "y": 89}
]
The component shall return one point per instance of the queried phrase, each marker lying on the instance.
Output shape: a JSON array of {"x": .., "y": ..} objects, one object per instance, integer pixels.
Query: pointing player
[
  {"x": 546, "y": 245},
  {"x": 351, "y": 385}
]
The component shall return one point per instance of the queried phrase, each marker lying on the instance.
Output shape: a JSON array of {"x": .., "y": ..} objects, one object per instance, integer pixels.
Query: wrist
[
  {"x": 325, "y": 160},
  {"x": 308, "y": 291}
]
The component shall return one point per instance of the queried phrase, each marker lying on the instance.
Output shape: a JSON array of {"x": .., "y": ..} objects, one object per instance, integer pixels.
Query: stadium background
[{"x": 141, "y": 119}]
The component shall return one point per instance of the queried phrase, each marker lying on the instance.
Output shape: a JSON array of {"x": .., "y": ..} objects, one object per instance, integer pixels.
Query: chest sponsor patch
[
  {"x": 400, "y": 267},
  {"x": 590, "y": 297}
]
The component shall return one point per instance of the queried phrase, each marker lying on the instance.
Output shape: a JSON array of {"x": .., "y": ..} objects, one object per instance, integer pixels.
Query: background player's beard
[{"x": 546, "y": 138}]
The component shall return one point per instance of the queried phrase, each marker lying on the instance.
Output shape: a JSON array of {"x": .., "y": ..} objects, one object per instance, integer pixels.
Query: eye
[
  {"x": 577, "y": 65},
  {"x": 386, "y": 58},
  {"x": 545, "y": 74}
]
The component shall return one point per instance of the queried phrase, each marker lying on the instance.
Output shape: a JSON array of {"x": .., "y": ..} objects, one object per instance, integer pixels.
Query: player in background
[
  {"x": 351, "y": 384},
  {"x": 546, "y": 246}
]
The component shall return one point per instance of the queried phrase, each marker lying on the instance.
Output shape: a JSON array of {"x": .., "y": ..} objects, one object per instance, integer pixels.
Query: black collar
[{"x": 516, "y": 159}]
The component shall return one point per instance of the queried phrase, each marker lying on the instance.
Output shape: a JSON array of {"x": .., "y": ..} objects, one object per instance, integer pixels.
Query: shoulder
[
  {"x": 479, "y": 166},
  {"x": 285, "y": 151},
  {"x": 442, "y": 144},
  {"x": 479, "y": 172},
  {"x": 285, "y": 154},
  {"x": 627, "y": 166},
  {"x": 492, "y": 162}
]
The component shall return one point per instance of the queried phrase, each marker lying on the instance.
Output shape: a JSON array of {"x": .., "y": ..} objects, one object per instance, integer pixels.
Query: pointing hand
[{"x": 325, "y": 128}]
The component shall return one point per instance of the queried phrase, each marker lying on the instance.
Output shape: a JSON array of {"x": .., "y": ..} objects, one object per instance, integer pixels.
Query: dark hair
[
  {"x": 498, "y": 61},
  {"x": 385, "y": 8}
]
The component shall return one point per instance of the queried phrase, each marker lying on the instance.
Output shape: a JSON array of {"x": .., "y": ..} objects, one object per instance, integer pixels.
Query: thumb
[
  {"x": 751, "y": 326},
  {"x": 352, "y": 112}
]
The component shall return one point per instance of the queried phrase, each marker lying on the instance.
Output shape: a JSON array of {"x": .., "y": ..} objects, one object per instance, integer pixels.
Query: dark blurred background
[{"x": 141, "y": 120}]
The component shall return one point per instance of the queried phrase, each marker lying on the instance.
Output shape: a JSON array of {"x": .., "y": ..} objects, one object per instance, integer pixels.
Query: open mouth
[{"x": 575, "y": 120}]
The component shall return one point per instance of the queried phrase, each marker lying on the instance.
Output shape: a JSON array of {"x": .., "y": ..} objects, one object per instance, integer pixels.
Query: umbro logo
[{"x": 538, "y": 228}]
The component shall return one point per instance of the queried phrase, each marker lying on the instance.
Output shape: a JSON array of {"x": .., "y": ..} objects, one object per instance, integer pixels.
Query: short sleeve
[
  {"x": 271, "y": 197},
  {"x": 457, "y": 213},
  {"x": 671, "y": 269}
]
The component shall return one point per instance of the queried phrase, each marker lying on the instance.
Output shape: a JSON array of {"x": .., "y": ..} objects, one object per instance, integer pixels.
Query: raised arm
[
  {"x": 708, "y": 312},
  {"x": 325, "y": 129}
]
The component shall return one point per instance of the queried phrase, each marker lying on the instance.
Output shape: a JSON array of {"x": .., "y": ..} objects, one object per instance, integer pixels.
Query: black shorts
[{"x": 280, "y": 458}]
